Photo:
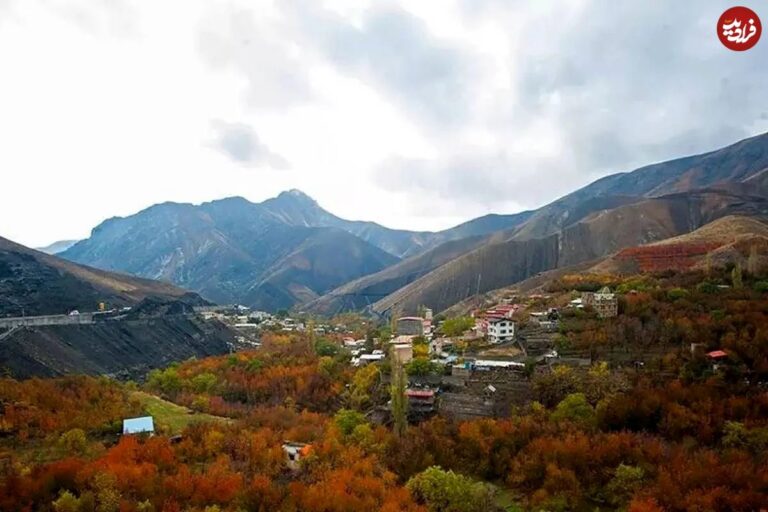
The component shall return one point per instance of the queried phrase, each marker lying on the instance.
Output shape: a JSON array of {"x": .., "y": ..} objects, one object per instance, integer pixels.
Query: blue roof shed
[{"x": 143, "y": 425}]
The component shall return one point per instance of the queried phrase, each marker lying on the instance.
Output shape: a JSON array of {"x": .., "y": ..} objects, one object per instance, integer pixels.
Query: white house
[{"x": 500, "y": 330}]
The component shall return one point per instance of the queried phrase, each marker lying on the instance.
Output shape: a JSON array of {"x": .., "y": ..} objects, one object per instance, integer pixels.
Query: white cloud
[{"x": 413, "y": 114}]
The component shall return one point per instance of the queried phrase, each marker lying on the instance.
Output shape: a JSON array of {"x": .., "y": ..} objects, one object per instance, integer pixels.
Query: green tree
[
  {"x": 74, "y": 441},
  {"x": 420, "y": 366},
  {"x": 707, "y": 287},
  {"x": 626, "y": 480},
  {"x": 324, "y": 347},
  {"x": 107, "y": 495},
  {"x": 204, "y": 383},
  {"x": 736, "y": 435},
  {"x": 677, "y": 293},
  {"x": 347, "y": 420},
  {"x": 363, "y": 385},
  {"x": 254, "y": 365},
  {"x": 753, "y": 262},
  {"x": 457, "y": 326},
  {"x": 398, "y": 400},
  {"x": 165, "y": 381},
  {"x": 145, "y": 506},
  {"x": 552, "y": 388},
  {"x": 446, "y": 491},
  {"x": 600, "y": 383},
  {"x": 66, "y": 502},
  {"x": 576, "y": 408},
  {"x": 736, "y": 277}
]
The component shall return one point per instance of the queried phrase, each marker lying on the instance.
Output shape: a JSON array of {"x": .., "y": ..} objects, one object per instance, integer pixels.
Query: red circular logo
[{"x": 739, "y": 29}]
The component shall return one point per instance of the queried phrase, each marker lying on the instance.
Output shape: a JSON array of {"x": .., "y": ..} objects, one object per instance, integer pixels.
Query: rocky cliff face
[
  {"x": 121, "y": 349},
  {"x": 475, "y": 272}
]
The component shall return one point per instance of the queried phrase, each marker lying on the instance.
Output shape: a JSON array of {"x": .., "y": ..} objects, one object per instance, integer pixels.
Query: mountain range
[
  {"x": 621, "y": 210},
  {"x": 271, "y": 255},
  {"x": 57, "y": 247},
  {"x": 289, "y": 252}
]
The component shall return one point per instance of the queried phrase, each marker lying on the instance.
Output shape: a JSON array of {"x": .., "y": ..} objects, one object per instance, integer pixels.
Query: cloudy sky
[{"x": 415, "y": 114}]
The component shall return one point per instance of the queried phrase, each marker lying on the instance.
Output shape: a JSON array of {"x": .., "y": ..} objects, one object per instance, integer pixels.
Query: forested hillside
[{"x": 672, "y": 434}]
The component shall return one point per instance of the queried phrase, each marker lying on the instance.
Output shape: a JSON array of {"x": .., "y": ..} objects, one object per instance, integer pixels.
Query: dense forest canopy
[{"x": 675, "y": 433}]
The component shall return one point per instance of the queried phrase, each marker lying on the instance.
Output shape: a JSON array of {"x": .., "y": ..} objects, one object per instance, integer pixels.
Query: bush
[
  {"x": 420, "y": 367},
  {"x": 74, "y": 441},
  {"x": 166, "y": 381},
  {"x": 457, "y": 326},
  {"x": 325, "y": 348},
  {"x": 576, "y": 409},
  {"x": 707, "y": 287},
  {"x": 446, "y": 491},
  {"x": 347, "y": 420},
  {"x": 67, "y": 502},
  {"x": 677, "y": 293},
  {"x": 204, "y": 383}
]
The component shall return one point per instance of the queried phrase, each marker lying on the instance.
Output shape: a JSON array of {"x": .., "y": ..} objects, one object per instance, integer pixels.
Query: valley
[
  {"x": 574, "y": 357},
  {"x": 289, "y": 253},
  {"x": 383, "y": 256}
]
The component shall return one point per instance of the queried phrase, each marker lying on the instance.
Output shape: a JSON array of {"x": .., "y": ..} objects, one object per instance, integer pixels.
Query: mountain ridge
[
  {"x": 720, "y": 180},
  {"x": 227, "y": 249},
  {"x": 35, "y": 283}
]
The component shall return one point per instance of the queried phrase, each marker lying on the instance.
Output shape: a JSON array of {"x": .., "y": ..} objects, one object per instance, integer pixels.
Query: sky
[{"x": 414, "y": 114}]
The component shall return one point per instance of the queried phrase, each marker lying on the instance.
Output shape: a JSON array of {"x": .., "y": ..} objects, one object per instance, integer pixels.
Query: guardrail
[{"x": 39, "y": 321}]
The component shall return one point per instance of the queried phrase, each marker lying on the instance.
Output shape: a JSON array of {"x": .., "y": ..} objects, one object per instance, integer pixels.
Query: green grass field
[{"x": 172, "y": 419}]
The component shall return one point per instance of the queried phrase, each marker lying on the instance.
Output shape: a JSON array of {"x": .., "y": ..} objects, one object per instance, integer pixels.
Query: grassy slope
[{"x": 170, "y": 418}]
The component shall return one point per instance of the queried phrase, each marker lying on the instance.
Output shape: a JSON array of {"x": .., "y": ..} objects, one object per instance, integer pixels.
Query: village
[
  {"x": 475, "y": 366},
  {"x": 462, "y": 368}
]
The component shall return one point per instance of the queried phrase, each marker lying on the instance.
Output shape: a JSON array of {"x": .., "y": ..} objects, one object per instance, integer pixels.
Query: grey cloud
[
  {"x": 394, "y": 51},
  {"x": 619, "y": 85},
  {"x": 625, "y": 84},
  {"x": 642, "y": 82},
  {"x": 240, "y": 143},
  {"x": 477, "y": 177},
  {"x": 259, "y": 50}
]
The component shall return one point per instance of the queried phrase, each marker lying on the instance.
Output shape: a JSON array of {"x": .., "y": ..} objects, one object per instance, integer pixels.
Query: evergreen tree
[
  {"x": 752, "y": 263},
  {"x": 736, "y": 278},
  {"x": 398, "y": 399}
]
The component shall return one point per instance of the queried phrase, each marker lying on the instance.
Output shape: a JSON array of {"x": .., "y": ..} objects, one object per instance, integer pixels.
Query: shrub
[
  {"x": 446, "y": 491},
  {"x": 677, "y": 293}
]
